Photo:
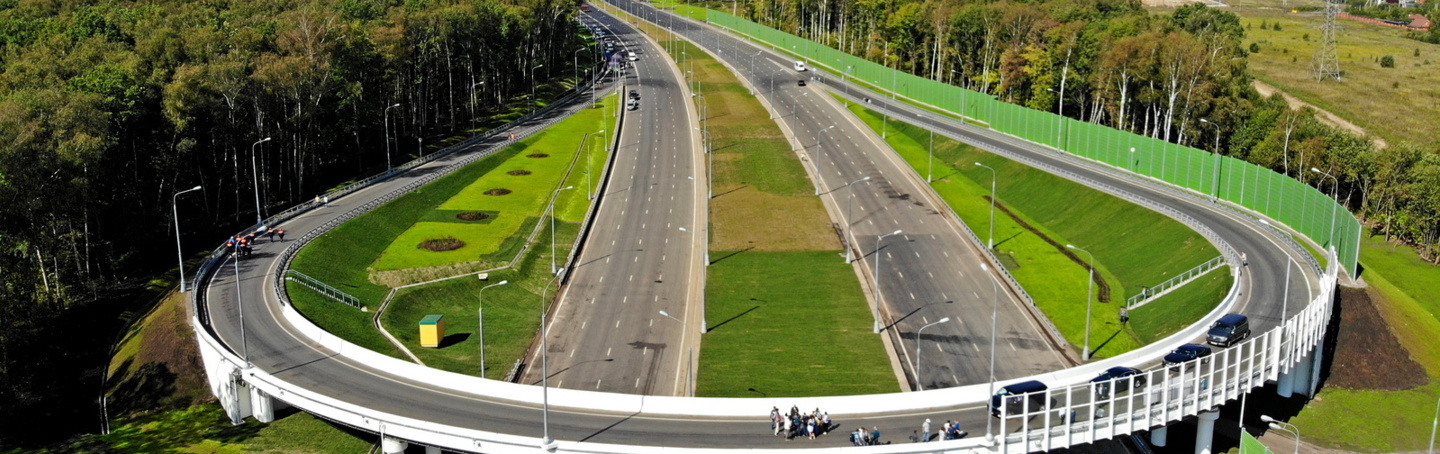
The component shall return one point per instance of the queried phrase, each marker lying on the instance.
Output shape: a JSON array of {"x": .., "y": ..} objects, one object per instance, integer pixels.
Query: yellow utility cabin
[{"x": 432, "y": 330}]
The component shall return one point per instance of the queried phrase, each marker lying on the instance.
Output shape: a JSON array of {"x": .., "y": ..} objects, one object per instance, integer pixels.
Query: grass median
[
  {"x": 348, "y": 256},
  {"x": 1133, "y": 246},
  {"x": 774, "y": 249}
]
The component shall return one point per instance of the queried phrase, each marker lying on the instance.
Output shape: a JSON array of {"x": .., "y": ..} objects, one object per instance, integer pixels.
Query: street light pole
[
  {"x": 575, "y": 62},
  {"x": 918, "y": 352},
  {"x": 553, "y": 198},
  {"x": 532, "y": 81},
  {"x": 481, "y": 314},
  {"x": 875, "y": 278},
  {"x": 1284, "y": 427},
  {"x": 474, "y": 106},
  {"x": 240, "y": 307},
  {"x": 1089, "y": 294},
  {"x": 545, "y": 440},
  {"x": 689, "y": 355},
  {"x": 930, "y": 163},
  {"x": 1434, "y": 424},
  {"x": 994, "y": 332},
  {"x": 256, "y": 180},
  {"x": 816, "y": 157},
  {"x": 849, "y": 206},
  {"x": 388, "y": 167},
  {"x": 990, "y": 243},
  {"x": 175, "y": 213},
  {"x": 1334, "y": 194},
  {"x": 1215, "y": 191}
]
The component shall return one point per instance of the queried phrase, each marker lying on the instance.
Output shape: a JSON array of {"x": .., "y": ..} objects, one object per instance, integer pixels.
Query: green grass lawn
[
  {"x": 1133, "y": 246},
  {"x": 528, "y": 196},
  {"x": 810, "y": 335},
  {"x": 1178, "y": 309},
  {"x": 512, "y": 312},
  {"x": 206, "y": 429}
]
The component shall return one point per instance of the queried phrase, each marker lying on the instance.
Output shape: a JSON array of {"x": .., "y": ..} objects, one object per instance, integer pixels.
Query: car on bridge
[
  {"x": 1228, "y": 330},
  {"x": 1117, "y": 375},
  {"x": 1187, "y": 353},
  {"x": 1015, "y": 395}
]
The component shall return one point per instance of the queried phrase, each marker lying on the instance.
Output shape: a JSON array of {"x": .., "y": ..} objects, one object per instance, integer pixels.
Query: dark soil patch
[
  {"x": 537, "y": 155},
  {"x": 1104, "y": 293},
  {"x": 442, "y": 244},
  {"x": 519, "y": 172},
  {"x": 497, "y": 191},
  {"x": 1367, "y": 355},
  {"x": 473, "y": 216}
]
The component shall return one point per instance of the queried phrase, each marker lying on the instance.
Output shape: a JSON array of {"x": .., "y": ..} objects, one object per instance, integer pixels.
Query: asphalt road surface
[{"x": 607, "y": 333}]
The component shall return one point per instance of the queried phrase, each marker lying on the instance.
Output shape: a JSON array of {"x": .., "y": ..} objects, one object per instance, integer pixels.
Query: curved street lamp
[
  {"x": 918, "y": 351},
  {"x": 481, "y": 313},
  {"x": 879, "y": 297},
  {"x": 175, "y": 213}
]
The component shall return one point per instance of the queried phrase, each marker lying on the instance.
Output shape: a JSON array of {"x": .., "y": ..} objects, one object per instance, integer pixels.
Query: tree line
[
  {"x": 1179, "y": 77},
  {"x": 108, "y": 108}
]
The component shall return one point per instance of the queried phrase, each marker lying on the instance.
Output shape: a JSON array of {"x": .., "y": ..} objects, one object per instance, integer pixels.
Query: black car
[
  {"x": 1186, "y": 353},
  {"x": 1122, "y": 384},
  {"x": 1013, "y": 397},
  {"x": 634, "y": 94},
  {"x": 800, "y": 82}
]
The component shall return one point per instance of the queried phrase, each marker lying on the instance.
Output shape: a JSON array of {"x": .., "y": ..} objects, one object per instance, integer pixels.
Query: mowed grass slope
[
  {"x": 788, "y": 316},
  {"x": 1133, "y": 246}
]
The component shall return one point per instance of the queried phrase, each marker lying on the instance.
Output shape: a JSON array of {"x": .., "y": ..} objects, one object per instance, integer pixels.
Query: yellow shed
[{"x": 432, "y": 330}]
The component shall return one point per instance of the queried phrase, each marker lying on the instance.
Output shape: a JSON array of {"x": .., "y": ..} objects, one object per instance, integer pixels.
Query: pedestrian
[
  {"x": 1124, "y": 315},
  {"x": 925, "y": 431},
  {"x": 775, "y": 420},
  {"x": 810, "y": 428},
  {"x": 280, "y": 232},
  {"x": 789, "y": 427},
  {"x": 230, "y": 242},
  {"x": 945, "y": 430},
  {"x": 825, "y": 419},
  {"x": 270, "y": 234},
  {"x": 914, "y": 436},
  {"x": 874, "y": 435},
  {"x": 325, "y": 200},
  {"x": 317, "y": 200}
]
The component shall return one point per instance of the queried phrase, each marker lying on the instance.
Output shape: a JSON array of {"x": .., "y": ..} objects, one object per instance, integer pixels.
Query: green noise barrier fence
[{"x": 1303, "y": 208}]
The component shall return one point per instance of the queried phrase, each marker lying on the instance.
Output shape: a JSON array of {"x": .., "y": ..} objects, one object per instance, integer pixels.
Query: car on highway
[
  {"x": 1228, "y": 330},
  {"x": 635, "y": 95},
  {"x": 633, "y": 57},
  {"x": 800, "y": 82},
  {"x": 800, "y": 66},
  {"x": 632, "y": 104},
  {"x": 1014, "y": 397},
  {"x": 1187, "y": 353},
  {"x": 1117, "y": 375}
]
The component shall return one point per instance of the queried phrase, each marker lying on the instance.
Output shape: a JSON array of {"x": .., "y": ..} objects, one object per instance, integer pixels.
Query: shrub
[
  {"x": 1254, "y": 48},
  {"x": 1387, "y": 61},
  {"x": 1277, "y": 26}
]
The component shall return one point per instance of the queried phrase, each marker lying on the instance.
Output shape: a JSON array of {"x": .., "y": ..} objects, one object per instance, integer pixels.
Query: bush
[
  {"x": 1254, "y": 48},
  {"x": 1387, "y": 61},
  {"x": 1277, "y": 26}
]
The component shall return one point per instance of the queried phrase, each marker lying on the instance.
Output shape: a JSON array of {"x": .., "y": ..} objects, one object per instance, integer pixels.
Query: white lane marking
[
  {"x": 572, "y": 353},
  {"x": 937, "y": 347},
  {"x": 583, "y": 323},
  {"x": 912, "y": 295},
  {"x": 977, "y": 347},
  {"x": 607, "y": 351},
  {"x": 602, "y": 279},
  {"x": 1012, "y": 346}
]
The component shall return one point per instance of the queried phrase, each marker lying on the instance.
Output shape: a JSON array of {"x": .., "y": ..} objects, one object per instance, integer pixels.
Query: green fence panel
[{"x": 1250, "y": 445}]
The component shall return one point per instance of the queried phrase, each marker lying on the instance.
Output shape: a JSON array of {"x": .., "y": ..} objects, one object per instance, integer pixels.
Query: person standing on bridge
[{"x": 925, "y": 431}]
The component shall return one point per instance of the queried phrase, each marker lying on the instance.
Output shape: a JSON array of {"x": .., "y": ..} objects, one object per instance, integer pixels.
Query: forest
[
  {"x": 108, "y": 108},
  {"x": 1179, "y": 77}
]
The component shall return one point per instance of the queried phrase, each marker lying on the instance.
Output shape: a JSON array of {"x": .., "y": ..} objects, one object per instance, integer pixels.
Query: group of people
[
  {"x": 244, "y": 245},
  {"x": 795, "y": 424},
  {"x": 949, "y": 431}
]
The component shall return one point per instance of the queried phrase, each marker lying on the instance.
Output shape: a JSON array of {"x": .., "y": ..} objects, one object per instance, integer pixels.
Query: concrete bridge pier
[
  {"x": 1157, "y": 436},
  {"x": 391, "y": 445},
  {"x": 1303, "y": 371},
  {"x": 432, "y": 450},
  {"x": 262, "y": 407},
  {"x": 1205, "y": 432}
]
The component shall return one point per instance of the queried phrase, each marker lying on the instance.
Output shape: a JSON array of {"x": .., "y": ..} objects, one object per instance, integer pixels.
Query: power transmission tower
[{"x": 1327, "y": 60}]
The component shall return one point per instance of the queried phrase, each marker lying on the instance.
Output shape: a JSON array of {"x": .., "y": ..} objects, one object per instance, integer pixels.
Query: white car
[
  {"x": 633, "y": 57},
  {"x": 800, "y": 65},
  {"x": 632, "y": 104}
]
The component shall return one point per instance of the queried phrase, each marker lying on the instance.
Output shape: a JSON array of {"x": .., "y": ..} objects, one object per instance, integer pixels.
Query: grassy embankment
[
  {"x": 1369, "y": 95},
  {"x": 1402, "y": 287},
  {"x": 777, "y": 287},
  {"x": 1133, "y": 246},
  {"x": 378, "y": 243}
]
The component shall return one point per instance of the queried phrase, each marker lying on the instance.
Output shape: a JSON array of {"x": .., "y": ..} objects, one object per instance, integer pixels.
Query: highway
[
  {"x": 851, "y": 151},
  {"x": 272, "y": 345},
  {"x": 607, "y": 333}
]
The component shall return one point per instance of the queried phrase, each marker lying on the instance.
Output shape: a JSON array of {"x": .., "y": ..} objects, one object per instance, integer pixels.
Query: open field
[
  {"x": 809, "y": 337},
  {"x": 1134, "y": 246},
  {"x": 1398, "y": 104}
]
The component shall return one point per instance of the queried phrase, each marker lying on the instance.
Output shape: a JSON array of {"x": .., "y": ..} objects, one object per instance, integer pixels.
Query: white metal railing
[
  {"x": 1182, "y": 390},
  {"x": 1151, "y": 293},
  {"x": 323, "y": 288}
]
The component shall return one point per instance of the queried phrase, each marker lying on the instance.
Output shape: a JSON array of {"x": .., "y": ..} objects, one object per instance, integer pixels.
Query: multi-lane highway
[
  {"x": 607, "y": 333},
  {"x": 272, "y": 345}
]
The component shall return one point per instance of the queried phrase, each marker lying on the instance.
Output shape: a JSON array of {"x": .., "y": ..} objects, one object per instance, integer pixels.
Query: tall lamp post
[
  {"x": 481, "y": 314},
  {"x": 1434, "y": 424},
  {"x": 1284, "y": 427},
  {"x": 553, "y": 197},
  {"x": 1215, "y": 192},
  {"x": 705, "y": 142},
  {"x": 1089, "y": 296},
  {"x": 703, "y": 329},
  {"x": 994, "y": 332},
  {"x": 1334, "y": 194},
  {"x": 532, "y": 80},
  {"x": 240, "y": 307},
  {"x": 545, "y": 440},
  {"x": 175, "y": 213},
  {"x": 849, "y": 205},
  {"x": 256, "y": 180},
  {"x": 575, "y": 63},
  {"x": 990, "y": 243},
  {"x": 816, "y": 157},
  {"x": 388, "y": 167},
  {"x": 474, "y": 106},
  {"x": 930, "y": 163},
  {"x": 879, "y": 297},
  {"x": 689, "y": 357},
  {"x": 918, "y": 352}
]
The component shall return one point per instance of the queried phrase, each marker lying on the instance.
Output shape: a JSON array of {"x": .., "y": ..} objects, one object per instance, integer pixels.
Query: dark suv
[
  {"x": 1121, "y": 383},
  {"x": 1228, "y": 330},
  {"x": 1186, "y": 353},
  {"x": 634, "y": 94},
  {"x": 1014, "y": 398}
]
